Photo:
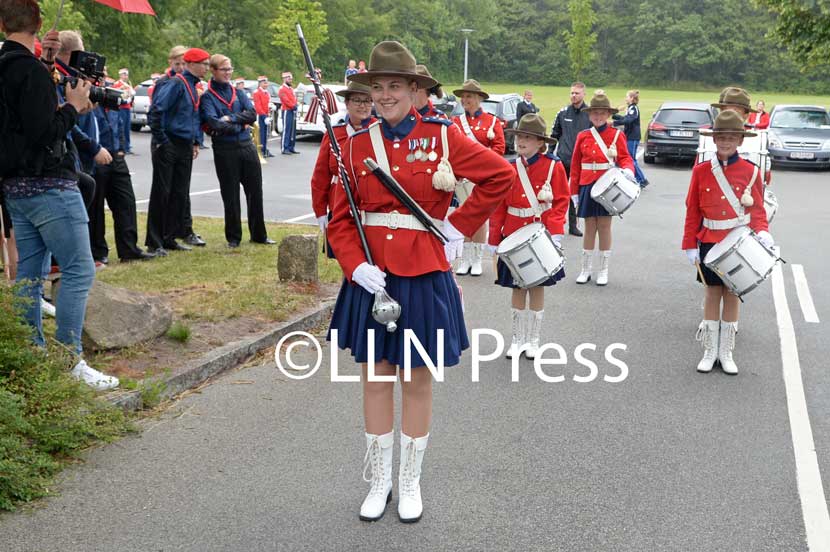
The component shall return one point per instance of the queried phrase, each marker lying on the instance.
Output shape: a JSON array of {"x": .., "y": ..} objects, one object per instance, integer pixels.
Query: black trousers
[
  {"x": 114, "y": 185},
  {"x": 238, "y": 163},
  {"x": 170, "y": 192},
  {"x": 86, "y": 184},
  {"x": 571, "y": 208}
]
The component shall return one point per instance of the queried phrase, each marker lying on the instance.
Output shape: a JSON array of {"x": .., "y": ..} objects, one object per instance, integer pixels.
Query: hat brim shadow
[
  {"x": 745, "y": 133},
  {"x": 547, "y": 139},
  {"x": 613, "y": 110}
]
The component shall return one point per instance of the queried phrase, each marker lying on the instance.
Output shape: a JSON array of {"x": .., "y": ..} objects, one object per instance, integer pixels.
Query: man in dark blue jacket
[
  {"x": 570, "y": 121},
  {"x": 174, "y": 122},
  {"x": 226, "y": 116}
]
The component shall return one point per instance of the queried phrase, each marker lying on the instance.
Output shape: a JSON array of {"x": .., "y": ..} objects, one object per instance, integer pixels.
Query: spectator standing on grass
[
  {"x": 174, "y": 122},
  {"x": 631, "y": 127},
  {"x": 570, "y": 121},
  {"x": 361, "y": 66},
  {"x": 126, "y": 110},
  {"x": 262, "y": 104},
  {"x": 227, "y": 117},
  {"x": 350, "y": 70},
  {"x": 41, "y": 186},
  {"x": 526, "y": 106}
]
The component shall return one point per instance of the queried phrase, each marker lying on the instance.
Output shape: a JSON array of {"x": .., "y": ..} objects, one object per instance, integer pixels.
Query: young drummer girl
[
  {"x": 723, "y": 194},
  {"x": 596, "y": 150},
  {"x": 545, "y": 176}
]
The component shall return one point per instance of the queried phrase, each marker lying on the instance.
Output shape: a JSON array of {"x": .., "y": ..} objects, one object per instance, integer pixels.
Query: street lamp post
[{"x": 466, "y": 49}]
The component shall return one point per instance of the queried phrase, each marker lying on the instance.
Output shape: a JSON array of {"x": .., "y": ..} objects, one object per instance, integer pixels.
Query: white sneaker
[
  {"x": 93, "y": 378},
  {"x": 47, "y": 308}
]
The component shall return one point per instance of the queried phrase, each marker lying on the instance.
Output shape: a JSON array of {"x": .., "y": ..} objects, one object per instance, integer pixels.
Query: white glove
[
  {"x": 693, "y": 255},
  {"x": 454, "y": 247},
  {"x": 323, "y": 222},
  {"x": 557, "y": 239},
  {"x": 492, "y": 249},
  {"x": 766, "y": 239},
  {"x": 630, "y": 175},
  {"x": 575, "y": 200},
  {"x": 369, "y": 277}
]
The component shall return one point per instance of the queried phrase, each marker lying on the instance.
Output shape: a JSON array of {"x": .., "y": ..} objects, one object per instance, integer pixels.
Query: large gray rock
[
  {"x": 117, "y": 317},
  {"x": 297, "y": 260}
]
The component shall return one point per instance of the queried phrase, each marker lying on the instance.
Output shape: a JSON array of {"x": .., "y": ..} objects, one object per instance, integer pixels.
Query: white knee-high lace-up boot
[
  {"x": 602, "y": 275},
  {"x": 727, "y": 344},
  {"x": 410, "y": 507},
  {"x": 707, "y": 334},
  {"x": 534, "y": 322},
  {"x": 466, "y": 260},
  {"x": 587, "y": 260},
  {"x": 518, "y": 321},
  {"x": 378, "y": 462}
]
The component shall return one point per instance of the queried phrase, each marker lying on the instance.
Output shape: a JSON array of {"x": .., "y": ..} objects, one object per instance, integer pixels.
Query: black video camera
[{"x": 90, "y": 65}]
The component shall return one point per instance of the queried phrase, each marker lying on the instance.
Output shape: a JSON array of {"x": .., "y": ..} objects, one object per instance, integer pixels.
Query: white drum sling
[
  {"x": 531, "y": 255},
  {"x": 741, "y": 261},
  {"x": 770, "y": 204}
]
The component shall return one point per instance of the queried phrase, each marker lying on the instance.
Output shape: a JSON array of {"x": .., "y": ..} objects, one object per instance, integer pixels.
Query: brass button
[
  {"x": 362, "y": 173},
  {"x": 388, "y": 236},
  {"x": 707, "y": 189},
  {"x": 396, "y": 145},
  {"x": 429, "y": 171},
  {"x": 395, "y": 168},
  {"x": 723, "y": 197},
  {"x": 723, "y": 212}
]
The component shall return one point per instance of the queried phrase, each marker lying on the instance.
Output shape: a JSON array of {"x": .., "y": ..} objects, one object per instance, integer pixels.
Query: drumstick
[{"x": 700, "y": 273}]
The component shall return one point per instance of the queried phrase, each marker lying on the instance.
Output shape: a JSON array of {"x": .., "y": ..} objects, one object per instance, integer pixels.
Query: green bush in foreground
[{"x": 46, "y": 418}]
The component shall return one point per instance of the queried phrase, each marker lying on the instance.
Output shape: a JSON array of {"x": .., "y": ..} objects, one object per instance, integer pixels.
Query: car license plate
[
  {"x": 802, "y": 155},
  {"x": 682, "y": 133}
]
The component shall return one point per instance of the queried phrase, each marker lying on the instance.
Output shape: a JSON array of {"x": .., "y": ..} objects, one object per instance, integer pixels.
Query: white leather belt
[
  {"x": 396, "y": 221},
  {"x": 727, "y": 224},
  {"x": 596, "y": 166},
  {"x": 525, "y": 213}
]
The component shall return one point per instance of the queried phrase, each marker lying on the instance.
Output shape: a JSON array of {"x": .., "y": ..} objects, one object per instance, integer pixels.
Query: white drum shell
[
  {"x": 770, "y": 204},
  {"x": 615, "y": 191},
  {"x": 531, "y": 255},
  {"x": 741, "y": 261}
]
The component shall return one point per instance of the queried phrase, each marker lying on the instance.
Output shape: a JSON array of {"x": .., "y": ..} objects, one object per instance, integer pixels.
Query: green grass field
[{"x": 550, "y": 99}]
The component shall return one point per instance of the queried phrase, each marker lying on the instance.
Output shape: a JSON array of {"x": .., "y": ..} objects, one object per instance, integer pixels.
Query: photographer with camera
[
  {"x": 40, "y": 181},
  {"x": 174, "y": 122}
]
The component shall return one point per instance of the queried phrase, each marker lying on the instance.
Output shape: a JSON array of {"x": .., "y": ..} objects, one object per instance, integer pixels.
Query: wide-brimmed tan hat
[
  {"x": 601, "y": 101},
  {"x": 354, "y": 88},
  {"x": 534, "y": 125},
  {"x": 728, "y": 122},
  {"x": 471, "y": 85},
  {"x": 424, "y": 72},
  {"x": 392, "y": 59},
  {"x": 732, "y": 95}
]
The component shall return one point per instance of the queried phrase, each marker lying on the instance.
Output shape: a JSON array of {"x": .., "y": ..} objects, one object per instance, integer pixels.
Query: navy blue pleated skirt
[
  {"x": 712, "y": 278},
  {"x": 327, "y": 246},
  {"x": 587, "y": 206},
  {"x": 428, "y": 302},
  {"x": 504, "y": 277}
]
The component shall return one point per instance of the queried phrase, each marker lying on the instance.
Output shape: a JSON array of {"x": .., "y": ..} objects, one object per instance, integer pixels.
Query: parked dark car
[
  {"x": 502, "y": 106},
  {"x": 674, "y": 130},
  {"x": 799, "y": 136}
]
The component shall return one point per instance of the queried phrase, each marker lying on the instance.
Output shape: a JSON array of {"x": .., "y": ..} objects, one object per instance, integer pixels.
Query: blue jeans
[
  {"x": 54, "y": 221},
  {"x": 124, "y": 121},
  {"x": 263, "y": 133},
  {"x": 632, "y": 149}
]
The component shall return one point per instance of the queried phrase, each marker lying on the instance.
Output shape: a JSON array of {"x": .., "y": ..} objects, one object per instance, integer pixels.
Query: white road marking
[
  {"x": 804, "y": 297},
  {"x": 298, "y": 219},
  {"x": 808, "y": 476},
  {"x": 298, "y": 196},
  {"x": 203, "y": 192}
]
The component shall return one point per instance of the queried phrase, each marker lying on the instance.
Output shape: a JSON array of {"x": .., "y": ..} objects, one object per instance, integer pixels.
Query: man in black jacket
[
  {"x": 570, "y": 121},
  {"x": 526, "y": 106},
  {"x": 41, "y": 185}
]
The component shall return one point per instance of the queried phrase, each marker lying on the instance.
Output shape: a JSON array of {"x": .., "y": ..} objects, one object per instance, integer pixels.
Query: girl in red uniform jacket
[
  {"x": 589, "y": 162},
  {"x": 410, "y": 264},
  {"x": 486, "y": 129},
  {"x": 549, "y": 183},
  {"x": 326, "y": 177},
  {"x": 709, "y": 219}
]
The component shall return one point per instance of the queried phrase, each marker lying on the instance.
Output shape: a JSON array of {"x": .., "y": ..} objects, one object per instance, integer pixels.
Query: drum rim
[
  {"x": 533, "y": 234},
  {"x": 747, "y": 232}
]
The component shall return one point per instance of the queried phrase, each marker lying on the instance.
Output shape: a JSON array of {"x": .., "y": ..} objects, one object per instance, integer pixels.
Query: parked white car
[{"x": 304, "y": 94}]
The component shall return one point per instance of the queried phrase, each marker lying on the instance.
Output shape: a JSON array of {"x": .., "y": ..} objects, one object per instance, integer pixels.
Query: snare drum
[
  {"x": 531, "y": 255},
  {"x": 770, "y": 204},
  {"x": 741, "y": 261},
  {"x": 615, "y": 191}
]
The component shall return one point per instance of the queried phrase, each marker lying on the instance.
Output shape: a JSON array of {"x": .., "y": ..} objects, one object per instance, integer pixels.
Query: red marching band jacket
[
  {"x": 586, "y": 150},
  {"x": 480, "y": 124},
  {"x": 262, "y": 101},
  {"x": 503, "y": 223},
  {"x": 326, "y": 177},
  {"x": 402, "y": 251},
  {"x": 288, "y": 100},
  {"x": 705, "y": 199}
]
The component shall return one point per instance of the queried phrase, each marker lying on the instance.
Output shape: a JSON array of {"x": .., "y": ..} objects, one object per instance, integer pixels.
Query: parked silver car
[
  {"x": 141, "y": 105},
  {"x": 799, "y": 136}
]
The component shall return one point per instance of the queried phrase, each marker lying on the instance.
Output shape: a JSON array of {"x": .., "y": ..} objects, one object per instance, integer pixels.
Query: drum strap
[
  {"x": 379, "y": 148},
  {"x": 726, "y": 188},
  {"x": 603, "y": 148},
  {"x": 467, "y": 130},
  {"x": 528, "y": 187}
]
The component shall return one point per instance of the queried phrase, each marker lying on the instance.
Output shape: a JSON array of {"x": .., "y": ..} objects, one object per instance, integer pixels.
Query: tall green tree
[
  {"x": 803, "y": 26},
  {"x": 581, "y": 39}
]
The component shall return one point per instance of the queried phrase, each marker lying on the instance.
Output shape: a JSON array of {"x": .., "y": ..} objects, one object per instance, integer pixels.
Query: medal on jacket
[
  {"x": 432, "y": 156},
  {"x": 419, "y": 153},
  {"x": 410, "y": 157}
]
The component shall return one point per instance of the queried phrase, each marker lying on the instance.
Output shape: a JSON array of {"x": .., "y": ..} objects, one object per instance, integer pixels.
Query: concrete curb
[{"x": 215, "y": 362}]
